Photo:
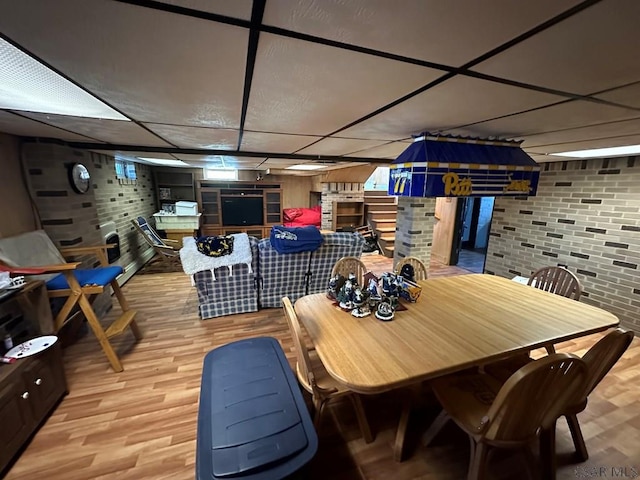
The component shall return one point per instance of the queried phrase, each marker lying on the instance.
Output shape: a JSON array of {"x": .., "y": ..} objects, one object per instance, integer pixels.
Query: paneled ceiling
[{"x": 270, "y": 83}]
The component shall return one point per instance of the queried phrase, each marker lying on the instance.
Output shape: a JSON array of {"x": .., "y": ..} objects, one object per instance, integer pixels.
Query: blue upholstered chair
[{"x": 35, "y": 252}]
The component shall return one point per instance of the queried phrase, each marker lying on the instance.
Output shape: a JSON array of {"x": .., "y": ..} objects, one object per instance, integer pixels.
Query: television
[{"x": 242, "y": 211}]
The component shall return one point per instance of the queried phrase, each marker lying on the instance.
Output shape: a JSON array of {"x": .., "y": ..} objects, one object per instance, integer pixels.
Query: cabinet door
[
  {"x": 16, "y": 417},
  {"x": 210, "y": 205},
  {"x": 45, "y": 380}
]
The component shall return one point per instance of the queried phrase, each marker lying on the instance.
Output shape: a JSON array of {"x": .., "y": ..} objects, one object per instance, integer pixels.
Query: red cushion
[{"x": 301, "y": 217}]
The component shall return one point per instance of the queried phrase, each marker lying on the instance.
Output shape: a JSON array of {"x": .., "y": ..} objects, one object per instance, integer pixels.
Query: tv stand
[{"x": 211, "y": 194}]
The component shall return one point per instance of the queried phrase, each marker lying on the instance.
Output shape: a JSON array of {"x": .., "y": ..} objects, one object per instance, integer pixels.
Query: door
[{"x": 443, "y": 230}]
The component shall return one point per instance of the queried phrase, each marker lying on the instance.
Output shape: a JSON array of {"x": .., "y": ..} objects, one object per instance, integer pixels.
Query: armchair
[{"x": 36, "y": 251}]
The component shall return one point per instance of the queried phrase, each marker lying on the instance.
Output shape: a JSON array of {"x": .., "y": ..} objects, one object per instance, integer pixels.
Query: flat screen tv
[{"x": 242, "y": 211}]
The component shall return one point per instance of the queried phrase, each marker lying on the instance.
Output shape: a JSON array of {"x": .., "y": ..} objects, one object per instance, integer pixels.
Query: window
[
  {"x": 220, "y": 174},
  {"x": 125, "y": 170}
]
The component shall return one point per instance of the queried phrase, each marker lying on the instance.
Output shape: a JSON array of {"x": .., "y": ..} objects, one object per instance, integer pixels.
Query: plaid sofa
[
  {"x": 274, "y": 276},
  {"x": 228, "y": 294}
]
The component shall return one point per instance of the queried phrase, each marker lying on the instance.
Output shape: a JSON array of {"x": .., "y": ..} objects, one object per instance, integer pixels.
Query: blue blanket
[{"x": 295, "y": 239}]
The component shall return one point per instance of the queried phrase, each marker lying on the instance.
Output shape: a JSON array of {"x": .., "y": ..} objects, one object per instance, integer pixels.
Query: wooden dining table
[{"x": 457, "y": 322}]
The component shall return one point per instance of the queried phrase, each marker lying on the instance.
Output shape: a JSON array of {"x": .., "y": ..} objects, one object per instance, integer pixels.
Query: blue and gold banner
[{"x": 445, "y": 167}]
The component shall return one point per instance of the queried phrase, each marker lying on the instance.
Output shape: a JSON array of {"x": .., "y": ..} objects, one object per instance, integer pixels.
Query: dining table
[{"x": 456, "y": 323}]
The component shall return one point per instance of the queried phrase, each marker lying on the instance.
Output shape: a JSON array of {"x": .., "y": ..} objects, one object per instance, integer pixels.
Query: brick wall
[
  {"x": 586, "y": 215},
  {"x": 338, "y": 192},
  {"x": 70, "y": 218},
  {"x": 414, "y": 228}
]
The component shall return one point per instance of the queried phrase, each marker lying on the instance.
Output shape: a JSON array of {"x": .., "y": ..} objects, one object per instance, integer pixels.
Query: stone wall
[{"x": 586, "y": 215}]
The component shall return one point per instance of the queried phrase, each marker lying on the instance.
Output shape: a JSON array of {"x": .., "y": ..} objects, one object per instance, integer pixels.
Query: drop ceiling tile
[
  {"x": 197, "y": 137},
  {"x": 24, "y": 127},
  {"x": 311, "y": 89},
  {"x": 388, "y": 150},
  {"x": 592, "y": 51},
  {"x": 602, "y": 131},
  {"x": 416, "y": 29},
  {"x": 589, "y": 144},
  {"x": 572, "y": 114},
  {"x": 629, "y": 96},
  {"x": 458, "y": 101},
  {"x": 222, "y": 161},
  {"x": 339, "y": 146},
  {"x": 236, "y": 8},
  {"x": 110, "y": 131},
  {"x": 274, "y": 142},
  {"x": 154, "y": 66}
]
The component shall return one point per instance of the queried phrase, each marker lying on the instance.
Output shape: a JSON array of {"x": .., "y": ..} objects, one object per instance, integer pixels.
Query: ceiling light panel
[
  {"x": 28, "y": 85},
  {"x": 592, "y": 144},
  {"x": 110, "y": 131},
  {"x": 413, "y": 28},
  {"x": 183, "y": 70},
  {"x": 457, "y": 101},
  {"x": 595, "y": 132},
  {"x": 594, "y": 50},
  {"x": 237, "y": 8},
  {"x": 197, "y": 137},
  {"x": 165, "y": 162},
  {"x": 573, "y": 114},
  {"x": 274, "y": 142},
  {"x": 339, "y": 146},
  {"x": 24, "y": 127},
  {"x": 311, "y": 89}
]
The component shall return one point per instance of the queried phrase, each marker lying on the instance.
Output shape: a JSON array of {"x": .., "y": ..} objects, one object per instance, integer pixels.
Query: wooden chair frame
[
  {"x": 316, "y": 380},
  {"x": 347, "y": 265},
  {"x": 419, "y": 267},
  {"x": 510, "y": 415}
]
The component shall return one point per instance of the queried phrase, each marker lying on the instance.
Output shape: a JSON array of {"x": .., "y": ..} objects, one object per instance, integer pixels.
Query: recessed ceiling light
[
  {"x": 28, "y": 85},
  {"x": 306, "y": 166},
  {"x": 165, "y": 161},
  {"x": 601, "y": 152}
]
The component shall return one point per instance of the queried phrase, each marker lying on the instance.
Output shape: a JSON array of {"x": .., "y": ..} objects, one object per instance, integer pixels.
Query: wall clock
[{"x": 79, "y": 178}]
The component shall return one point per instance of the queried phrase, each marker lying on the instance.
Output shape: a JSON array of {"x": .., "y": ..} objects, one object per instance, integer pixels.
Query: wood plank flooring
[{"x": 141, "y": 423}]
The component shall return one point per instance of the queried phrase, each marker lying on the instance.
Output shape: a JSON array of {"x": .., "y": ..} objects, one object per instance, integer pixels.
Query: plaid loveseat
[{"x": 273, "y": 276}]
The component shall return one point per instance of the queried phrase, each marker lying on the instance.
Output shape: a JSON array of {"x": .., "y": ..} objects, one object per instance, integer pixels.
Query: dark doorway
[{"x": 469, "y": 248}]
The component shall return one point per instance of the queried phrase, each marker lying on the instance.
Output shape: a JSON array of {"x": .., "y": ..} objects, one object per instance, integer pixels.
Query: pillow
[
  {"x": 295, "y": 239},
  {"x": 215, "y": 246}
]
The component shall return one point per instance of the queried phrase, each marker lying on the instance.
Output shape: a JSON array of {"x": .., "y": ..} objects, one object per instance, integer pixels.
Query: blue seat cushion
[{"x": 96, "y": 276}]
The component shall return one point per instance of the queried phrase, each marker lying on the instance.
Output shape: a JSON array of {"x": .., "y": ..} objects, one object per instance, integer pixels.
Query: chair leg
[
  {"x": 100, "y": 334},
  {"x": 125, "y": 307},
  {"x": 478, "y": 464},
  {"x": 435, "y": 427},
  {"x": 548, "y": 452},
  {"x": 319, "y": 407},
  {"x": 362, "y": 418},
  {"x": 578, "y": 440}
]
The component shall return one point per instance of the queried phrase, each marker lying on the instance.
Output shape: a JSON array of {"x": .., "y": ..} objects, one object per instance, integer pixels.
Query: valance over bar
[{"x": 442, "y": 166}]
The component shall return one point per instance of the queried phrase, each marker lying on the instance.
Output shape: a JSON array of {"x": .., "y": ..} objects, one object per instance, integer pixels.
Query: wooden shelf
[
  {"x": 177, "y": 183},
  {"x": 348, "y": 214}
]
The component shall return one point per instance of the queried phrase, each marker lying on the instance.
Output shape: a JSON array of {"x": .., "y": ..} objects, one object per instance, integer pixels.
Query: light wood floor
[{"x": 141, "y": 423}]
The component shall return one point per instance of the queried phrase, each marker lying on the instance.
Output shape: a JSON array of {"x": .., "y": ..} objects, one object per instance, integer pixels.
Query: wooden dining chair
[
  {"x": 315, "y": 379},
  {"x": 419, "y": 268},
  {"x": 509, "y": 415},
  {"x": 556, "y": 280},
  {"x": 600, "y": 359},
  {"x": 347, "y": 265}
]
